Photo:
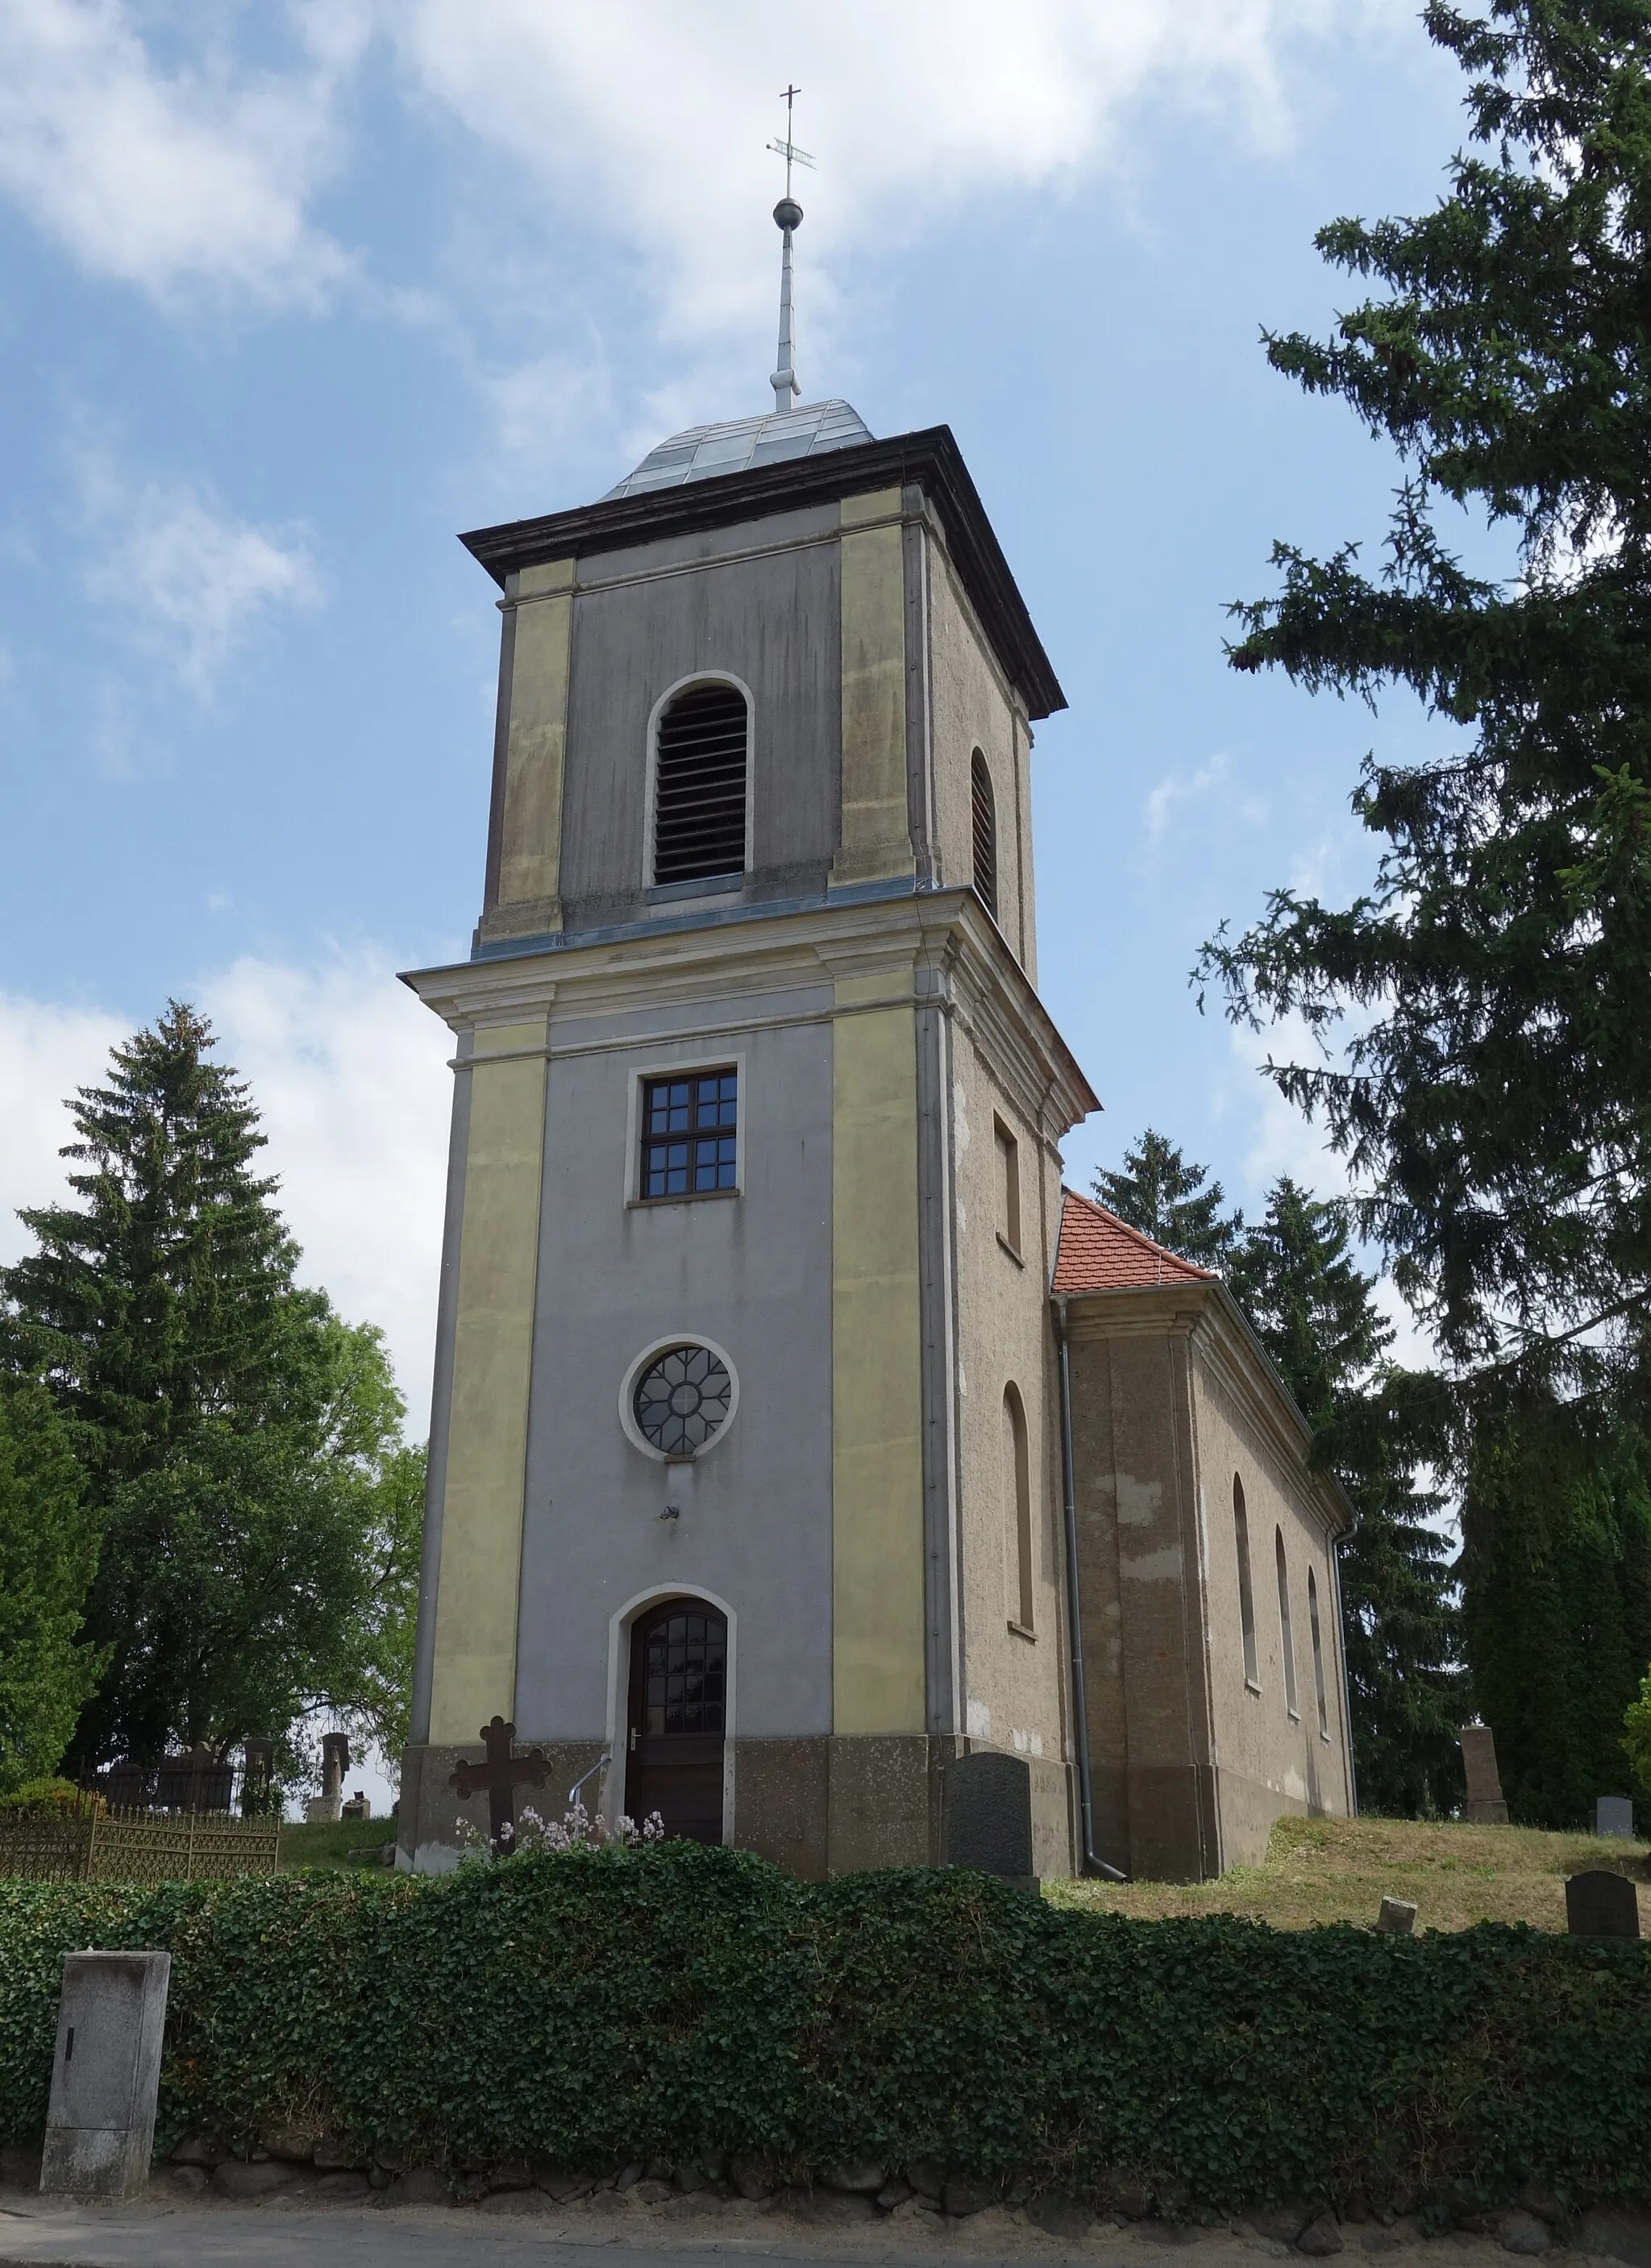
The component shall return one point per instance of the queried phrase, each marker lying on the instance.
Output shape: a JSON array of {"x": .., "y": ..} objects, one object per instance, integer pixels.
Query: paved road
[
  {"x": 45, "y": 2233},
  {"x": 267, "y": 2236}
]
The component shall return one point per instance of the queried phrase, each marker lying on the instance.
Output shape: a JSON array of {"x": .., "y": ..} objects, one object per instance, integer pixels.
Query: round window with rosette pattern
[{"x": 682, "y": 1400}]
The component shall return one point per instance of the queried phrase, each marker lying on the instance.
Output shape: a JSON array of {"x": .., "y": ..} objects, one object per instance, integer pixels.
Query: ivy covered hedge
[{"x": 675, "y": 2002}]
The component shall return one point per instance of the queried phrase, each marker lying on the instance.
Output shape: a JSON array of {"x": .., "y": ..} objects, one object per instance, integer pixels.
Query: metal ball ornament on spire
[{"x": 788, "y": 215}]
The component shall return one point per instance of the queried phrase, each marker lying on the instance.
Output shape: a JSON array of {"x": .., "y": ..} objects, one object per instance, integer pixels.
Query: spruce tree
[
  {"x": 1495, "y": 1095},
  {"x": 157, "y": 1299},
  {"x": 1172, "y": 1202},
  {"x": 241, "y": 1445},
  {"x": 1312, "y": 1309}
]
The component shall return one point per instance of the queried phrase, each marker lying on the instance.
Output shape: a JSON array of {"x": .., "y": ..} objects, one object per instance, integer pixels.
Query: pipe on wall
[
  {"x": 1092, "y": 1863},
  {"x": 1347, "y": 1691}
]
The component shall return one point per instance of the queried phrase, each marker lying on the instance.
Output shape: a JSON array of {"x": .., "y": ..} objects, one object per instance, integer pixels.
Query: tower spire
[{"x": 787, "y": 219}]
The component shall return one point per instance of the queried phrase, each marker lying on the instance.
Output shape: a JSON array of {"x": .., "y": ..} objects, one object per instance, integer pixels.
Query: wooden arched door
[{"x": 677, "y": 1717}]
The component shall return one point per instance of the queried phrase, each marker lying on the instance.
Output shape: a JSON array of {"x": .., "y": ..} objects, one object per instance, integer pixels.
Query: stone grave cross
[{"x": 500, "y": 1774}]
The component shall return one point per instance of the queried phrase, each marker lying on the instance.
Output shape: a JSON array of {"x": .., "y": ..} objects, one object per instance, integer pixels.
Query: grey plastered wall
[
  {"x": 751, "y": 1273},
  {"x": 1268, "y": 1762},
  {"x": 1016, "y": 1681},
  {"x": 973, "y": 707},
  {"x": 1141, "y": 1576},
  {"x": 646, "y": 618}
]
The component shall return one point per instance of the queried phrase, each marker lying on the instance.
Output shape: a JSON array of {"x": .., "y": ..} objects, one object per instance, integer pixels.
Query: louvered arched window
[
  {"x": 701, "y": 759},
  {"x": 983, "y": 824}
]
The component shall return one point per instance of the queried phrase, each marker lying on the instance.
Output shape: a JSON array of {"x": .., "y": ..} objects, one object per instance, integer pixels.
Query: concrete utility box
[{"x": 100, "y": 2128}]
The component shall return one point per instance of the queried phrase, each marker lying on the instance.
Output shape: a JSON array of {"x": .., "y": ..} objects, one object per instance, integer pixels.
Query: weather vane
[
  {"x": 788, "y": 148},
  {"x": 787, "y": 218}
]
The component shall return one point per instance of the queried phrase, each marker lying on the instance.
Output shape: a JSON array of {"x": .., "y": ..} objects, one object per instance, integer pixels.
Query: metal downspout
[
  {"x": 1092, "y": 1864},
  {"x": 1347, "y": 1691}
]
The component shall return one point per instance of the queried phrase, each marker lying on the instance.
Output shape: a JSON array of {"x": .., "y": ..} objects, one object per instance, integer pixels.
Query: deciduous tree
[{"x": 49, "y": 1547}]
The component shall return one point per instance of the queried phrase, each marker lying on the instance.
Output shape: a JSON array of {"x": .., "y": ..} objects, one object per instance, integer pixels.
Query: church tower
[
  {"x": 752, "y": 1495},
  {"x": 745, "y": 1469}
]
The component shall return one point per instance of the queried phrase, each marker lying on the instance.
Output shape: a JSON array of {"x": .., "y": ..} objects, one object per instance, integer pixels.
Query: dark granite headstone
[
  {"x": 986, "y": 1814},
  {"x": 1601, "y": 1904},
  {"x": 1485, "y": 1805}
]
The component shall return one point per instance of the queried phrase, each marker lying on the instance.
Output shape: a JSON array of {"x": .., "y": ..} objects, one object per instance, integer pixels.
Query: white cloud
[
  {"x": 1173, "y": 790},
  {"x": 190, "y": 580},
  {"x": 1284, "y": 1140},
  {"x": 349, "y": 1072},
  {"x": 166, "y": 179},
  {"x": 45, "y": 1052},
  {"x": 543, "y": 406},
  {"x": 649, "y": 119}
]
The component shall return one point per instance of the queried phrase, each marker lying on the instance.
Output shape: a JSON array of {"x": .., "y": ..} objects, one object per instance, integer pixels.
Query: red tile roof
[{"x": 1098, "y": 1252}]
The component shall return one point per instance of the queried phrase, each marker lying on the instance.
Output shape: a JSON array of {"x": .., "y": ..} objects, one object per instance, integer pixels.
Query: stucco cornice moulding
[
  {"x": 1222, "y": 1340},
  {"x": 943, "y": 944},
  {"x": 929, "y": 460}
]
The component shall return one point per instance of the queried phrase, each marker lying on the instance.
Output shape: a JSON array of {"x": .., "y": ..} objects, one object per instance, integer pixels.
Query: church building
[{"x": 795, "y": 1432}]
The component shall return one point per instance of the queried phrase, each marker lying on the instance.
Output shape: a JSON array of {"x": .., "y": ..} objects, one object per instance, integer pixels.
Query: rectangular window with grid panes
[{"x": 690, "y": 1134}]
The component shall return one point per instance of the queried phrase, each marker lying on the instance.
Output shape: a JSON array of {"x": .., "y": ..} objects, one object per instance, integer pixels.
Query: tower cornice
[
  {"x": 953, "y": 950},
  {"x": 929, "y": 461}
]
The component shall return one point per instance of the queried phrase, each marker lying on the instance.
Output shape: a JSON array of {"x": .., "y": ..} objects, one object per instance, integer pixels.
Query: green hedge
[{"x": 674, "y": 2002}]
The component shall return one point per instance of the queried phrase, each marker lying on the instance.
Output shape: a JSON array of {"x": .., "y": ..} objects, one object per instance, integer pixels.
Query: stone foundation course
[{"x": 656, "y": 2025}]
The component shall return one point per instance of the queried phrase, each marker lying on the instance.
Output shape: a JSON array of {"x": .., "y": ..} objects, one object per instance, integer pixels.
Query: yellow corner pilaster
[
  {"x": 477, "y": 1598},
  {"x": 876, "y": 1355},
  {"x": 530, "y": 853},
  {"x": 876, "y": 824}
]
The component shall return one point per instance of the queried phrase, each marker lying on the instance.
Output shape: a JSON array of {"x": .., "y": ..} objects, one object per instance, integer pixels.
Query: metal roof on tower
[{"x": 703, "y": 452}]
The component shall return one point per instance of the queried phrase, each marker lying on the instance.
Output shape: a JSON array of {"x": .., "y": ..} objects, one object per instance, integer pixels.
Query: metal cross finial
[
  {"x": 787, "y": 218},
  {"x": 787, "y": 149}
]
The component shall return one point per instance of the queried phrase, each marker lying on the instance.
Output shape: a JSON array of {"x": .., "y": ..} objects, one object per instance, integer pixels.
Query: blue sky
[{"x": 291, "y": 293}]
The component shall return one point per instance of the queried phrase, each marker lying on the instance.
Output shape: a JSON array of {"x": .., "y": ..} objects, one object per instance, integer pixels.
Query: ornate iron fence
[{"x": 108, "y": 1845}]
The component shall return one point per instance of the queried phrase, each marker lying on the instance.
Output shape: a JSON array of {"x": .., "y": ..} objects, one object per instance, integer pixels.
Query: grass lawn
[
  {"x": 335, "y": 1843},
  {"x": 1319, "y": 1870}
]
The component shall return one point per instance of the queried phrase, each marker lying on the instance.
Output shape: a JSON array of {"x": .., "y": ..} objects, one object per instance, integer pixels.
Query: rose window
[{"x": 682, "y": 1400}]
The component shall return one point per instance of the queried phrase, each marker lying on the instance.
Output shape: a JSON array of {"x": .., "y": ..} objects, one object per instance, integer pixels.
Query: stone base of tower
[{"x": 820, "y": 1806}]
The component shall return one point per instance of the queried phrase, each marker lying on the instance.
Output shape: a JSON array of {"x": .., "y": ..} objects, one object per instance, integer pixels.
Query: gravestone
[
  {"x": 100, "y": 2125},
  {"x": 1601, "y": 1904},
  {"x": 329, "y": 1803},
  {"x": 1397, "y": 1918},
  {"x": 1486, "y": 1806},
  {"x": 986, "y": 1816},
  {"x": 1613, "y": 1815}
]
